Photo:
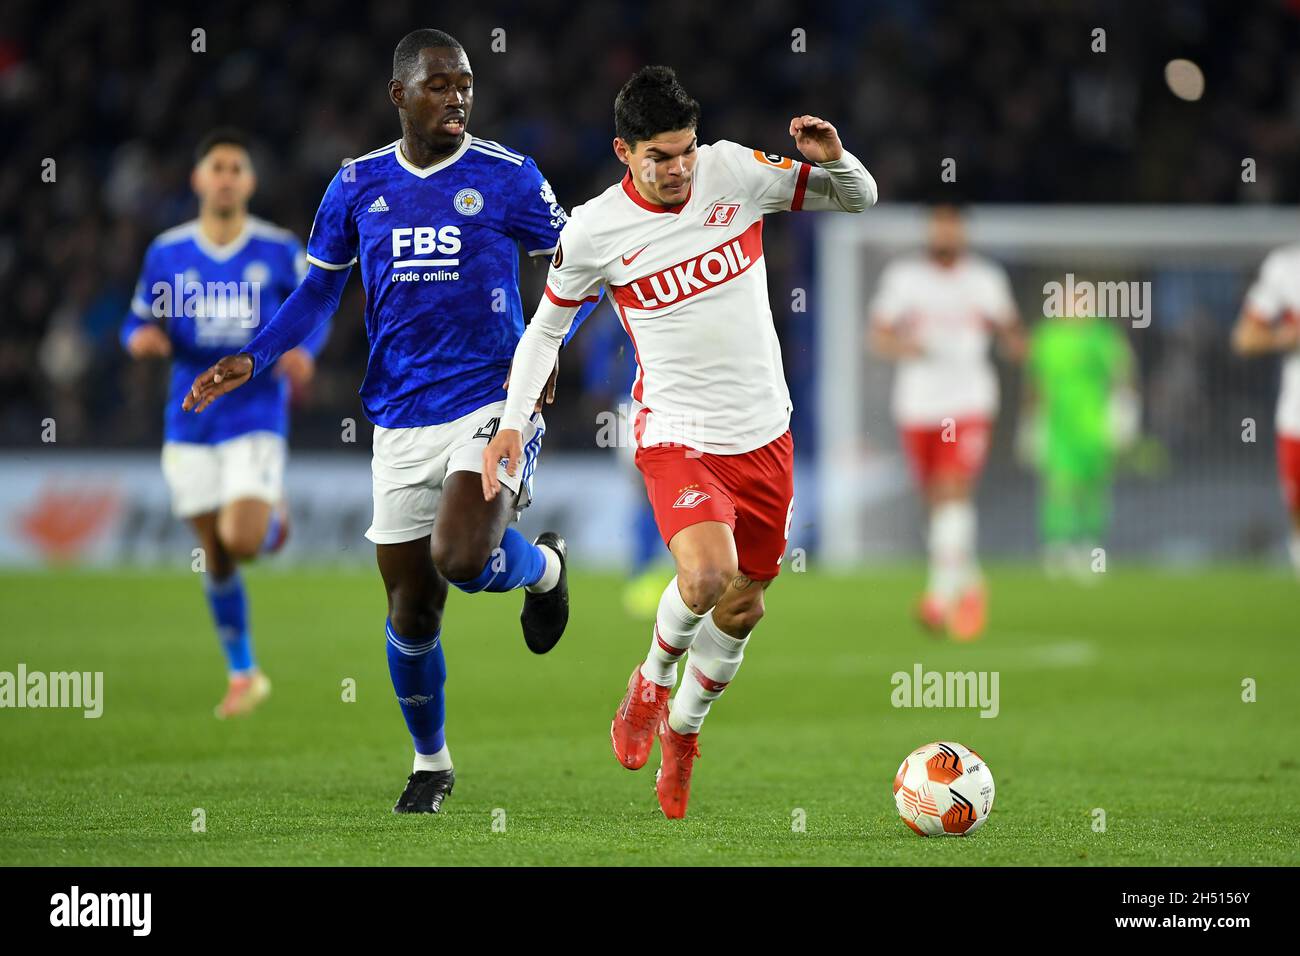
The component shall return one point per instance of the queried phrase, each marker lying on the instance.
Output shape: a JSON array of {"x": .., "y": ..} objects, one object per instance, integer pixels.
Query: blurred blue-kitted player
[
  {"x": 435, "y": 220},
  {"x": 205, "y": 288}
]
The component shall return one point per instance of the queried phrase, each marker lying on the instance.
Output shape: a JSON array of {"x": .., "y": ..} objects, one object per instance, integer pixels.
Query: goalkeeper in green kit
[{"x": 1080, "y": 407}]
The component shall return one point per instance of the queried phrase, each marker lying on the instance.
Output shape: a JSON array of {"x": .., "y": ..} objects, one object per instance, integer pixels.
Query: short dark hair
[
  {"x": 221, "y": 136},
  {"x": 653, "y": 102},
  {"x": 408, "y": 49}
]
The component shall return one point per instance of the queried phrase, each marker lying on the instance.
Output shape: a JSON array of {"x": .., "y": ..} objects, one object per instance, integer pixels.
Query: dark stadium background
[{"x": 113, "y": 92}]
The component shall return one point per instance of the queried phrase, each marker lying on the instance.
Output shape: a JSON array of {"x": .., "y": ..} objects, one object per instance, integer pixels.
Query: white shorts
[
  {"x": 202, "y": 478},
  {"x": 410, "y": 464}
]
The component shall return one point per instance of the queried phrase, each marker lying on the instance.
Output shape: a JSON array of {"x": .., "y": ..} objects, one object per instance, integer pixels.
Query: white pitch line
[{"x": 1056, "y": 654}]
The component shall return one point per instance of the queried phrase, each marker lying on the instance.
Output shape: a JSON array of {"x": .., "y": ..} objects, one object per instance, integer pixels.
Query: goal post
[{"x": 1206, "y": 491}]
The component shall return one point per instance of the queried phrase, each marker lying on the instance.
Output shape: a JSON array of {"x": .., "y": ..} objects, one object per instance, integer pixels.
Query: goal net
[{"x": 1195, "y": 488}]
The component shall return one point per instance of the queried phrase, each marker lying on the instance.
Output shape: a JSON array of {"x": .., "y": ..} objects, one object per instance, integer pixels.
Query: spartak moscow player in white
[
  {"x": 1269, "y": 324},
  {"x": 934, "y": 314},
  {"x": 678, "y": 243}
]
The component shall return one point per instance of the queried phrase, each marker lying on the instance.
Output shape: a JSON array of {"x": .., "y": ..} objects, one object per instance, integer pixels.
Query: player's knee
[
  {"x": 459, "y": 560},
  {"x": 949, "y": 487},
  {"x": 240, "y": 541},
  {"x": 740, "y": 620},
  {"x": 702, "y": 586},
  {"x": 413, "y": 615}
]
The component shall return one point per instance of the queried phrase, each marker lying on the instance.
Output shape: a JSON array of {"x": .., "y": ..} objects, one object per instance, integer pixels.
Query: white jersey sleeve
[
  {"x": 780, "y": 184},
  {"x": 1275, "y": 297},
  {"x": 890, "y": 301},
  {"x": 573, "y": 279},
  {"x": 995, "y": 296},
  {"x": 575, "y": 275},
  {"x": 1277, "y": 290}
]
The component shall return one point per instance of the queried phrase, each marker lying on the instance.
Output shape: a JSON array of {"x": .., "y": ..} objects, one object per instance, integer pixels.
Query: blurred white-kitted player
[
  {"x": 1270, "y": 323},
  {"x": 935, "y": 314}
]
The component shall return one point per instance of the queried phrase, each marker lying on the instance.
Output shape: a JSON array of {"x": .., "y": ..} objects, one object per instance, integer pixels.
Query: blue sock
[
  {"x": 516, "y": 563},
  {"x": 229, "y": 608},
  {"x": 419, "y": 671}
]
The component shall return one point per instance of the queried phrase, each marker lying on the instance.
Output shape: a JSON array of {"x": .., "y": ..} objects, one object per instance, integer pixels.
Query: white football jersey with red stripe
[
  {"x": 949, "y": 311},
  {"x": 689, "y": 284},
  {"x": 1275, "y": 297}
]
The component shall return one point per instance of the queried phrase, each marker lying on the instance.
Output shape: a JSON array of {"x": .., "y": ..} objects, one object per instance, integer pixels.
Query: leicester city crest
[{"x": 468, "y": 202}]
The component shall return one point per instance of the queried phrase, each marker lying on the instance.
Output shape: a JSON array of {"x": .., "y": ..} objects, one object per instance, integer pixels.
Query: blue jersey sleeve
[
  {"x": 141, "y": 310},
  {"x": 296, "y": 271},
  {"x": 333, "y": 242},
  {"x": 536, "y": 220},
  {"x": 536, "y": 216},
  {"x": 301, "y": 317}
]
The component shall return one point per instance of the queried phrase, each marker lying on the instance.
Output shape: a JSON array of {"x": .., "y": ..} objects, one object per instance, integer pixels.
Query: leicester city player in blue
[
  {"x": 436, "y": 221},
  {"x": 203, "y": 288}
]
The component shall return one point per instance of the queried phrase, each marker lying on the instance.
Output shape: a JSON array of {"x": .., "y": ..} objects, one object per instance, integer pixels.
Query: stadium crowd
[{"x": 116, "y": 94}]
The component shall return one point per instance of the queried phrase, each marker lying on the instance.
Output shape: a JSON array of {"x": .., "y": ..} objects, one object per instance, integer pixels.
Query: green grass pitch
[{"x": 1126, "y": 697}]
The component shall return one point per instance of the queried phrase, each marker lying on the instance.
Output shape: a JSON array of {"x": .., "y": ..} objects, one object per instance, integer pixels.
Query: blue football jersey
[
  {"x": 211, "y": 300},
  {"x": 439, "y": 261}
]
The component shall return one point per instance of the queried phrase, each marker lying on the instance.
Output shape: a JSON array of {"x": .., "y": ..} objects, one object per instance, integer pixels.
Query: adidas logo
[{"x": 378, "y": 205}]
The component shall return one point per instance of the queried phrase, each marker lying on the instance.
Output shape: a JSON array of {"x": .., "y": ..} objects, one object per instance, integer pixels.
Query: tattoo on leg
[{"x": 740, "y": 582}]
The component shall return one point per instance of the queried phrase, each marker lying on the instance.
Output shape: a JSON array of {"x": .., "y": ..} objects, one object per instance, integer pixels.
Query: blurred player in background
[
  {"x": 436, "y": 220},
  {"x": 1079, "y": 406},
  {"x": 934, "y": 314},
  {"x": 1270, "y": 323},
  {"x": 202, "y": 291},
  {"x": 679, "y": 244}
]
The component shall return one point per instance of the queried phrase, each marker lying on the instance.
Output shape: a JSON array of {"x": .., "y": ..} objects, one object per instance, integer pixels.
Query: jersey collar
[
  {"x": 644, "y": 203},
  {"x": 218, "y": 252},
  {"x": 427, "y": 171}
]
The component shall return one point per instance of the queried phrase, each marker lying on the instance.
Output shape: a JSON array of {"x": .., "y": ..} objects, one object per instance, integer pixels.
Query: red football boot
[
  {"x": 673, "y": 780},
  {"x": 243, "y": 694},
  {"x": 968, "y": 618},
  {"x": 632, "y": 731},
  {"x": 931, "y": 614}
]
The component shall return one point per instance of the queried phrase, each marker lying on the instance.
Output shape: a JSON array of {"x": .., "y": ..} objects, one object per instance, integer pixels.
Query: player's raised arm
[
  {"x": 832, "y": 179},
  {"x": 839, "y": 180}
]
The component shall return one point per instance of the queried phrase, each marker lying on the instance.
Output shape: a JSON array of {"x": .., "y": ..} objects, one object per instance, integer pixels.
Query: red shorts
[
  {"x": 752, "y": 493},
  {"x": 1288, "y": 470},
  {"x": 957, "y": 451}
]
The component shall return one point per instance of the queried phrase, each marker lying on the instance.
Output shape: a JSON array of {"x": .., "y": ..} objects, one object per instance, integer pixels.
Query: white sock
[
  {"x": 551, "y": 576},
  {"x": 1293, "y": 546},
  {"x": 714, "y": 659},
  {"x": 676, "y": 627},
  {"x": 953, "y": 568},
  {"x": 439, "y": 761}
]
